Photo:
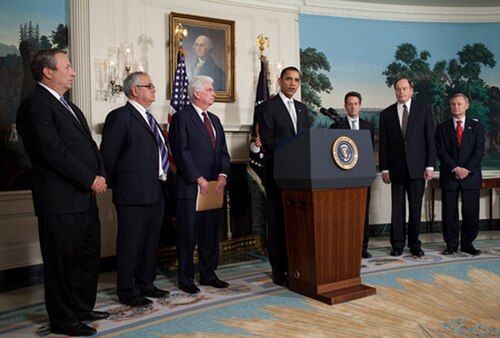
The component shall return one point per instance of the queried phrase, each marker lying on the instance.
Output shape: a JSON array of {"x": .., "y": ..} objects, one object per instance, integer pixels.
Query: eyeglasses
[{"x": 149, "y": 86}]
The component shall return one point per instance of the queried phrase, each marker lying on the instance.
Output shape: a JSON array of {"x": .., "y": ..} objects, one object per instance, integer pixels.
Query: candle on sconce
[
  {"x": 128, "y": 54},
  {"x": 111, "y": 71}
]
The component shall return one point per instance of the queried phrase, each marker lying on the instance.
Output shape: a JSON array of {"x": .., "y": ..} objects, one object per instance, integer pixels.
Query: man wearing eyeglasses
[{"x": 135, "y": 154}]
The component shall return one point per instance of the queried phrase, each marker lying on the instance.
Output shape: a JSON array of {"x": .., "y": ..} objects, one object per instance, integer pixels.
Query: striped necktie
[{"x": 161, "y": 145}]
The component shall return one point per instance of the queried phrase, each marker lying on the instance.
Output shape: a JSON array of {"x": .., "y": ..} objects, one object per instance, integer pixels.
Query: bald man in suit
[
  {"x": 460, "y": 147},
  {"x": 282, "y": 118},
  {"x": 407, "y": 156}
]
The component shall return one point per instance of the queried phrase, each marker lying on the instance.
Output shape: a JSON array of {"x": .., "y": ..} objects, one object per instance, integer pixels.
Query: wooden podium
[{"x": 324, "y": 208}]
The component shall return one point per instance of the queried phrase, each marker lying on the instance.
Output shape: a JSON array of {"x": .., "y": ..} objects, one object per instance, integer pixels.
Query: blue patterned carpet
[{"x": 437, "y": 296}]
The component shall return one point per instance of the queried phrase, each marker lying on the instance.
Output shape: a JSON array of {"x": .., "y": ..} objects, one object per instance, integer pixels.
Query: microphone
[
  {"x": 325, "y": 112},
  {"x": 333, "y": 112}
]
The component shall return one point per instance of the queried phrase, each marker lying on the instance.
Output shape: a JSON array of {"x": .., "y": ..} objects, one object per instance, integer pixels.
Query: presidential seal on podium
[{"x": 345, "y": 152}]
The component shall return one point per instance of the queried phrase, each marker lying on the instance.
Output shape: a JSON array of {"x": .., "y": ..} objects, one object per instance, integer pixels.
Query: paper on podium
[{"x": 210, "y": 201}]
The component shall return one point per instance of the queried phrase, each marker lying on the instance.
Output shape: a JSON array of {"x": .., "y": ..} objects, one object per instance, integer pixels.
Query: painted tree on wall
[
  {"x": 313, "y": 64},
  {"x": 16, "y": 82}
]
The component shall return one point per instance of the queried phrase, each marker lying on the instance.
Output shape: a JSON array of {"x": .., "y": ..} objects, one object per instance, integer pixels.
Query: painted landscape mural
[{"x": 368, "y": 55}]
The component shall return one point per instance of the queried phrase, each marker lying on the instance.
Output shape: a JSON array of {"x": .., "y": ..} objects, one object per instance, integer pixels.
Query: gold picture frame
[{"x": 211, "y": 41}]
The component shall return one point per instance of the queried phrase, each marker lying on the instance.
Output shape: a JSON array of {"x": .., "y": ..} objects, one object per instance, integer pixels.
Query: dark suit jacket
[
  {"x": 416, "y": 152},
  {"x": 276, "y": 124},
  {"x": 276, "y": 127},
  {"x": 64, "y": 156},
  {"x": 363, "y": 125},
  {"x": 193, "y": 152},
  {"x": 468, "y": 155},
  {"x": 130, "y": 154}
]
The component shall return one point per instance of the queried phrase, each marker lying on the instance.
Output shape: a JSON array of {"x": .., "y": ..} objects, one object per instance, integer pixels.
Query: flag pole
[
  {"x": 181, "y": 33},
  {"x": 179, "y": 98},
  {"x": 263, "y": 42}
]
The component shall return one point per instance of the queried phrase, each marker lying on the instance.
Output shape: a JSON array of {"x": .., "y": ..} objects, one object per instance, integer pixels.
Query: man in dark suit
[
  {"x": 67, "y": 172},
  {"x": 460, "y": 148},
  {"x": 136, "y": 159},
  {"x": 407, "y": 157},
  {"x": 282, "y": 118},
  {"x": 352, "y": 105},
  {"x": 199, "y": 149}
]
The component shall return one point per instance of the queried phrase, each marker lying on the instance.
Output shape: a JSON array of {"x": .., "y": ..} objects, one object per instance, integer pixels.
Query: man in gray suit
[{"x": 407, "y": 156}]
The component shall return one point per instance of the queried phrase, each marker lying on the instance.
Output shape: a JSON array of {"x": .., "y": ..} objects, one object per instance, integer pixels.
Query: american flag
[
  {"x": 180, "y": 98},
  {"x": 256, "y": 152}
]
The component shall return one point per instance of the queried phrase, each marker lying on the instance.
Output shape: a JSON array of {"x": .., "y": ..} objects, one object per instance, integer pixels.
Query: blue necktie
[{"x": 161, "y": 145}]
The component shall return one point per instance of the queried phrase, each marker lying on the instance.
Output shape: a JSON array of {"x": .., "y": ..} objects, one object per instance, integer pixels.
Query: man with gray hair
[
  {"x": 199, "y": 149},
  {"x": 460, "y": 148},
  {"x": 136, "y": 158},
  {"x": 67, "y": 173}
]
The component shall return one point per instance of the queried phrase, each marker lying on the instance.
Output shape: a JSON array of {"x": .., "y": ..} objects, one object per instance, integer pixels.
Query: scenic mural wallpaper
[
  {"x": 339, "y": 55},
  {"x": 25, "y": 27}
]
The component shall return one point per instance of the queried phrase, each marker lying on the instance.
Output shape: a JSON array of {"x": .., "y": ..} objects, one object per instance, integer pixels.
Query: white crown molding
[
  {"x": 354, "y": 9},
  {"x": 280, "y": 5}
]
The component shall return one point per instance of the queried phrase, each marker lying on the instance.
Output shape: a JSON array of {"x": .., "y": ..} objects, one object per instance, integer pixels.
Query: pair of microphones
[{"x": 331, "y": 113}]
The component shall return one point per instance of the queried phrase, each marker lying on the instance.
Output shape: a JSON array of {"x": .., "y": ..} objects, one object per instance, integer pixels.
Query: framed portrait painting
[{"x": 209, "y": 46}]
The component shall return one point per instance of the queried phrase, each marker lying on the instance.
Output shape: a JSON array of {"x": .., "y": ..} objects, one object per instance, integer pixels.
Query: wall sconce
[{"x": 111, "y": 71}]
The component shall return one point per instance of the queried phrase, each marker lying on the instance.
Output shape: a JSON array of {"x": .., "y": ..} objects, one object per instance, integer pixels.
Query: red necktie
[
  {"x": 208, "y": 125},
  {"x": 460, "y": 132}
]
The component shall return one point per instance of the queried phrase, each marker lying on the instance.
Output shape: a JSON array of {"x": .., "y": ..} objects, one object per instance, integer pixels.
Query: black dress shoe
[
  {"x": 396, "y": 252},
  {"x": 78, "y": 329},
  {"x": 471, "y": 251},
  {"x": 280, "y": 279},
  {"x": 190, "y": 288},
  {"x": 448, "y": 251},
  {"x": 417, "y": 252},
  {"x": 155, "y": 293},
  {"x": 135, "y": 301},
  {"x": 216, "y": 283},
  {"x": 366, "y": 254},
  {"x": 94, "y": 315}
]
